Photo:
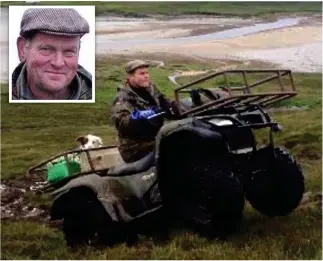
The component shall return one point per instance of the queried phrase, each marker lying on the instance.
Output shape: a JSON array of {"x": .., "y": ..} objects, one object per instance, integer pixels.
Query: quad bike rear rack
[
  {"x": 237, "y": 96},
  {"x": 38, "y": 172}
]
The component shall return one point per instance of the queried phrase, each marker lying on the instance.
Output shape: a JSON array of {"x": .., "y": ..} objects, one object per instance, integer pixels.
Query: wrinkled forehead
[{"x": 55, "y": 40}]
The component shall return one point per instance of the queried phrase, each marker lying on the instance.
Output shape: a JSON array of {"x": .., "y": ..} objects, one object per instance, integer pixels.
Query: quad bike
[{"x": 203, "y": 168}]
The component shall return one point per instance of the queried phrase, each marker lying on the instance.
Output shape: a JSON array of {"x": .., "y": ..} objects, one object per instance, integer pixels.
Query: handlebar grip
[{"x": 156, "y": 115}]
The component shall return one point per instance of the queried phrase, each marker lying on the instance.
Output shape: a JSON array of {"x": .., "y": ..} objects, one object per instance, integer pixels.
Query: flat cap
[
  {"x": 58, "y": 21},
  {"x": 133, "y": 65}
]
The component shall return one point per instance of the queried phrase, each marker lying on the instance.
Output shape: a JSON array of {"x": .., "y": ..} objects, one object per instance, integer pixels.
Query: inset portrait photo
[{"x": 51, "y": 54}]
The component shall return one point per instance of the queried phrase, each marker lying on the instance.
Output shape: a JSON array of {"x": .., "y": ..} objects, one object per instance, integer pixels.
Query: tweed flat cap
[
  {"x": 133, "y": 65},
  {"x": 58, "y": 21}
]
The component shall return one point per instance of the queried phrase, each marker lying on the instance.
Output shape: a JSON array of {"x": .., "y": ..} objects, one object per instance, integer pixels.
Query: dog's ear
[
  {"x": 100, "y": 141},
  {"x": 82, "y": 140}
]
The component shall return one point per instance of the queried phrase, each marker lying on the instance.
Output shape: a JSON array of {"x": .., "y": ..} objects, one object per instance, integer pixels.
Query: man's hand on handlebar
[
  {"x": 142, "y": 114},
  {"x": 170, "y": 108}
]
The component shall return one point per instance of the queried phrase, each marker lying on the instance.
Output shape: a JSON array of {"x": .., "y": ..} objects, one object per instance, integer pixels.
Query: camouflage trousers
[{"x": 136, "y": 151}]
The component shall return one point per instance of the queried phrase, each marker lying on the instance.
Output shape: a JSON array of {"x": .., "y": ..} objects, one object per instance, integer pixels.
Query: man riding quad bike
[{"x": 199, "y": 175}]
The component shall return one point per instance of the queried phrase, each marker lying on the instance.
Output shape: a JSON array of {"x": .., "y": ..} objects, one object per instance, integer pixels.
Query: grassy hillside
[
  {"x": 33, "y": 132},
  {"x": 244, "y": 9}
]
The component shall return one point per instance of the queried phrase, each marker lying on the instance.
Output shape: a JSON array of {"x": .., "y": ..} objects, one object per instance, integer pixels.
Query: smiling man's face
[{"x": 51, "y": 62}]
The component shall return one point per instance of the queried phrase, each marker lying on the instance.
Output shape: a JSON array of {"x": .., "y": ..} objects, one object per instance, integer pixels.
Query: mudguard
[
  {"x": 193, "y": 125},
  {"x": 169, "y": 128},
  {"x": 124, "y": 198}
]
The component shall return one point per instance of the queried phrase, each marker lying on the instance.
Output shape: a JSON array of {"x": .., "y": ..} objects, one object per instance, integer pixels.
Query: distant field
[
  {"x": 244, "y": 9},
  {"x": 34, "y": 132}
]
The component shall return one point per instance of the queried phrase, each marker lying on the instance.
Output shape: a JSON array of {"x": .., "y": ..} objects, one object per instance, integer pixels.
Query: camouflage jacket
[
  {"x": 81, "y": 85},
  {"x": 135, "y": 137}
]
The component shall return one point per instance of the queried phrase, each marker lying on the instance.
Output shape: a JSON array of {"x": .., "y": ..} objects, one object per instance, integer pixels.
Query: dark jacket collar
[{"x": 20, "y": 88}]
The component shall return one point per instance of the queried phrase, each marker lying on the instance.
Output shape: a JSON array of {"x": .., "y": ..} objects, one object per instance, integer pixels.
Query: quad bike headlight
[
  {"x": 221, "y": 122},
  {"x": 277, "y": 128}
]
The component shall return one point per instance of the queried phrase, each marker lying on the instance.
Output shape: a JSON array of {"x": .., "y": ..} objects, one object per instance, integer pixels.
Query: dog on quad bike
[
  {"x": 199, "y": 177},
  {"x": 201, "y": 172},
  {"x": 89, "y": 141}
]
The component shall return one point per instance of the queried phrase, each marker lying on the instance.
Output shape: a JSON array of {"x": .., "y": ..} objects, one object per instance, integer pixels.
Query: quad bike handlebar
[{"x": 157, "y": 115}]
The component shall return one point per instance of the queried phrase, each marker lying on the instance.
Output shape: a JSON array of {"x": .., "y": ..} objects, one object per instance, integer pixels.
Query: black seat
[
  {"x": 134, "y": 167},
  {"x": 196, "y": 99},
  {"x": 209, "y": 94},
  {"x": 186, "y": 103}
]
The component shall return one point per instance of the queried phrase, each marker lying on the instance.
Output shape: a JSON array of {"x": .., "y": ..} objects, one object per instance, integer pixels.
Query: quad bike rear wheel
[
  {"x": 85, "y": 221},
  {"x": 278, "y": 186}
]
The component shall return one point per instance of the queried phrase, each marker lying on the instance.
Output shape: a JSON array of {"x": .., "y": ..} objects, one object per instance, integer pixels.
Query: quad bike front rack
[{"x": 237, "y": 96}]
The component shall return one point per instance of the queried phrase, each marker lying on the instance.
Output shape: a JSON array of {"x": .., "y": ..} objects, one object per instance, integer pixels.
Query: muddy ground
[{"x": 16, "y": 204}]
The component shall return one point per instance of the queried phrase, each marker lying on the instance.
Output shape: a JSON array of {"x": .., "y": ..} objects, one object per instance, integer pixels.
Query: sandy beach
[
  {"x": 297, "y": 47},
  {"x": 290, "y": 42}
]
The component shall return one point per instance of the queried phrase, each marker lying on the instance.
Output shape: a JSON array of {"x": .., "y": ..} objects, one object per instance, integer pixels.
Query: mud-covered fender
[
  {"x": 91, "y": 184},
  {"x": 124, "y": 197}
]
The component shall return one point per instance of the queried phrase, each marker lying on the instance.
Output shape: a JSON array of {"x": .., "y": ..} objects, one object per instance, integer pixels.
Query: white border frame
[{"x": 88, "y": 12}]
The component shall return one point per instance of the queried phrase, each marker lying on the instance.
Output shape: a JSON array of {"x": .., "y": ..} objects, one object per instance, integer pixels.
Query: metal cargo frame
[{"x": 241, "y": 95}]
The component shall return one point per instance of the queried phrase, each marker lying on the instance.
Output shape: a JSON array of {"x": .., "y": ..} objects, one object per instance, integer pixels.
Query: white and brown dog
[
  {"x": 85, "y": 142},
  {"x": 89, "y": 141},
  {"x": 101, "y": 159}
]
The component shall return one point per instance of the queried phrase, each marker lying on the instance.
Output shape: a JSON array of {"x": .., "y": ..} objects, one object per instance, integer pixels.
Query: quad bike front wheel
[
  {"x": 208, "y": 200},
  {"x": 217, "y": 204},
  {"x": 196, "y": 184},
  {"x": 278, "y": 186}
]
